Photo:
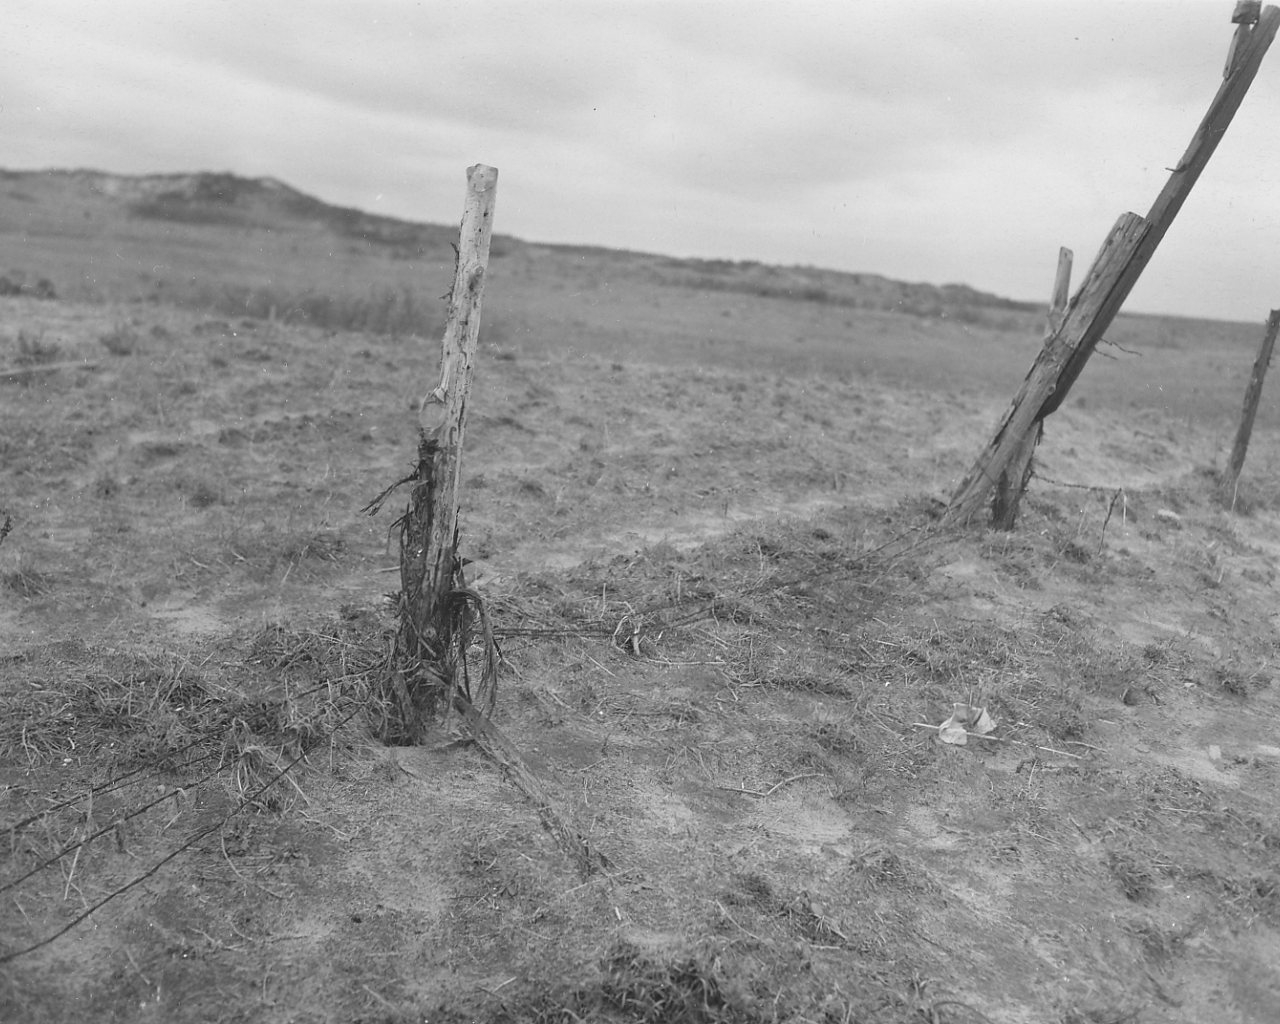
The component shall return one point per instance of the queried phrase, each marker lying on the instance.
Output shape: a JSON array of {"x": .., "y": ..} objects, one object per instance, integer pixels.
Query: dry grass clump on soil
[
  {"x": 636, "y": 988},
  {"x": 102, "y": 711},
  {"x": 18, "y": 282},
  {"x": 33, "y": 350},
  {"x": 122, "y": 340}
]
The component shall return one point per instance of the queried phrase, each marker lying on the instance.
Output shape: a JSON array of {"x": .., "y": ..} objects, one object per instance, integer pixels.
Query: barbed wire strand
[
  {"x": 72, "y": 847},
  {"x": 132, "y": 814},
  {"x": 195, "y": 838},
  {"x": 111, "y": 785}
]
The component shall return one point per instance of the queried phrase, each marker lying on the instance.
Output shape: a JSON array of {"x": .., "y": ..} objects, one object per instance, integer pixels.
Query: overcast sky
[{"x": 949, "y": 141}]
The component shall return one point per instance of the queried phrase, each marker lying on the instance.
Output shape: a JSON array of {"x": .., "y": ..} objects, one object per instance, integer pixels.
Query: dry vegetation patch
[{"x": 730, "y": 629}]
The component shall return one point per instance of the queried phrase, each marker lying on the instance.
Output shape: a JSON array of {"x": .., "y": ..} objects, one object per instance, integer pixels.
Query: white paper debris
[{"x": 965, "y": 719}]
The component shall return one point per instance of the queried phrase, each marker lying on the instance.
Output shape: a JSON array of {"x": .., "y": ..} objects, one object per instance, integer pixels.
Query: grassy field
[{"x": 700, "y": 502}]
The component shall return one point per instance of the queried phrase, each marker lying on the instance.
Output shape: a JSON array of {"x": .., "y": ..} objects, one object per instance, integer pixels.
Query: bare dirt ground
[{"x": 725, "y": 613}]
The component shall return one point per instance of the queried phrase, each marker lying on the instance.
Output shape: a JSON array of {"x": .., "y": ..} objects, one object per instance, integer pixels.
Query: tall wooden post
[
  {"x": 1231, "y": 479},
  {"x": 442, "y": 413},
  {"x": 1124, "y": 256},
  {"x": 433, "y": 603}
]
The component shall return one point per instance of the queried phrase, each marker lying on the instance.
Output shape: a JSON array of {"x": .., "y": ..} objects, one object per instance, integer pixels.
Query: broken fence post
[
  {"x": 1061, "y": 292},
  {"x": 436, "y": 611},
  {"x": 1013, "y": 481}
]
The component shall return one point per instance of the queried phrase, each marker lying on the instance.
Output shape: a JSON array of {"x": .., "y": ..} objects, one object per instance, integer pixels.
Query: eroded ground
[{"x": 189, "y": 576}]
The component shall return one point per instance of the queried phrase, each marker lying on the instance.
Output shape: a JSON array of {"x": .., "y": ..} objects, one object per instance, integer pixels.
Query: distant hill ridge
[
  {"x": 212, "y": 199},
  {"x": 224, "y": 198}
]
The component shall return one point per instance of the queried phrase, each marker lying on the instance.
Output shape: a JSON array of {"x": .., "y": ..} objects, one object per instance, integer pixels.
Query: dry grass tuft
[
  {"x": 122, "y": 710},
  {"x": 635, "y": 987},
  {"x": 108, "y": 720},
  {"x": 121, "y": 340},
  {"x": 33, "y": 350},
  {"x": 1135, "y": 877},
  {"x": 29, "y": 582}
]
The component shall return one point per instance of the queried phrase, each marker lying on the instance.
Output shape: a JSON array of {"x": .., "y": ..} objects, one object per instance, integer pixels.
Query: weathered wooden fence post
[
  {"x": 1013, "y": 481},
  {"x": 436, "y": 611},
  {"x": 1124, "y": 256},
  {"x": 1231, "y": 479},
  {"x": 1049, "y": 374}
]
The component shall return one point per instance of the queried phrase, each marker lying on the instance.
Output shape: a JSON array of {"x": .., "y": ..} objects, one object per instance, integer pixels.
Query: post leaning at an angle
[
  {"x": 442, "y": 415},
  {"x": 1231, "y": 479},
  {"x": 1044, "y": 379},
  {"x": 1013, "y": 481},
  {"x": 1125, "y": 255}
]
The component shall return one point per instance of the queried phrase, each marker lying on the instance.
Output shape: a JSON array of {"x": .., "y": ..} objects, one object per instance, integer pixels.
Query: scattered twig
[
  {"x": 937, "y": 1005},
  {"x": 602, "y": 877},
  {"x": 71, "y": 874},
  {"x": 732, "y": 920},
  {"x": 875, "y": 720},
  {"x": 1004, "y": 739},
  {"x": 216, "y": 943},
  {"x": 494, "y": 991},
  {"x": 1161, "y": 991},
  {"x": 600, "y": 667},
  {"x": 222, "y": 841},
  {"x": 384, "y": 1002},
  {"x": 777, "y": 786},
  {"x": 772, "y": 789},
  {"x": 9, "y": 372},
  {"x": 134, "y": 964}
]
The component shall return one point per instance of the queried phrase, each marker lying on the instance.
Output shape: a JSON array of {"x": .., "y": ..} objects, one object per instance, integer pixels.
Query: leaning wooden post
[
  {"x": 1043, "y": 379},
  {"x": 435, "y": 608},
  {"x": 1124, "y": 256},
  {"x": 1231, "y": 479},
  {"x": 1013, "y": 481}
]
